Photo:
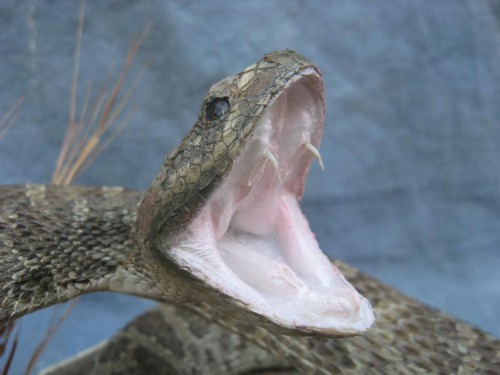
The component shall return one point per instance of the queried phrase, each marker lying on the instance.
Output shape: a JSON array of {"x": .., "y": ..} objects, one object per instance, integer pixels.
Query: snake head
[{"x": 224, "y": 209}]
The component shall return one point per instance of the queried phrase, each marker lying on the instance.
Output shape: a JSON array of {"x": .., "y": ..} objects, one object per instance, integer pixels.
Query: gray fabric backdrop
[{"x": 412, "y": 144}]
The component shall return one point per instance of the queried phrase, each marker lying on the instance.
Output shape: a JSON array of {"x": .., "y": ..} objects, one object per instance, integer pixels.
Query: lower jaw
[{"x": 282, "y": 274}]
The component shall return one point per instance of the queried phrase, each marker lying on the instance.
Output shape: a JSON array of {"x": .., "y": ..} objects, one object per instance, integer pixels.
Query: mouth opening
[{"x": 252, "y": 241}]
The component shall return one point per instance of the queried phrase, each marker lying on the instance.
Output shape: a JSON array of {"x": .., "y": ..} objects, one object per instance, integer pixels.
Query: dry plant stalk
[
  {"x": 10, "y": 117},
  {"x": 54, "y": 326},
  {"x": 86, "y": 137},
  {"x": 92, "y": 132},
  {"x": 5, "y": 334}
]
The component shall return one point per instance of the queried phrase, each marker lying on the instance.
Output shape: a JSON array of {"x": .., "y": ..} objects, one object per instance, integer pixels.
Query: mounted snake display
[{"x": 220, "y": 238}]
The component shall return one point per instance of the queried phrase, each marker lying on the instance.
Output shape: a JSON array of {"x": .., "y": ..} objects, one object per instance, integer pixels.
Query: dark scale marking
[
  {"x": 159, "y": 329},
  {"x": 198, "y": 328},
  {"x": 112, "y": 352},
  {"x": 152, "y": 363}
]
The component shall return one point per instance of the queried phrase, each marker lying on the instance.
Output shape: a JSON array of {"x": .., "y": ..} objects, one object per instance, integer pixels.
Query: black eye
[{"x": 217, "y": 108}]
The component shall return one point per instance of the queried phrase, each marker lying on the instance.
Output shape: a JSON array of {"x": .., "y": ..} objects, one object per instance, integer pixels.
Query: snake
[{"x": 219, "y": 238}]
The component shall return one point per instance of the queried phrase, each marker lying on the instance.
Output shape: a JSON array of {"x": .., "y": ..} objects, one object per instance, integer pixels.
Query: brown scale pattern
[
  {"x": 59, "y": 242},
  {"x": 171, "y": 340},
  {"x": 56, "y": 243},
  {"x": 408, "y": 338}
]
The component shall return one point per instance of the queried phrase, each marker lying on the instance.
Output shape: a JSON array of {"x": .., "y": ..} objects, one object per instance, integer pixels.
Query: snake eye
[{"x": 217, "y": 108}]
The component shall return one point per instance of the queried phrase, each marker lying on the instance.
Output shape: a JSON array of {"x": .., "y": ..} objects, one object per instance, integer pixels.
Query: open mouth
[{"x": 251, "y": 239}]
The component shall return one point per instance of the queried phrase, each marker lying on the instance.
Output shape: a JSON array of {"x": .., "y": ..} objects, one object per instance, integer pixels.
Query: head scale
[{"x": 192, "y": 171}]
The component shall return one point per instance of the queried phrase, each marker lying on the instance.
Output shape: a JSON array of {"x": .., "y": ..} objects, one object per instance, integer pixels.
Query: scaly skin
[
  {"x": 141, "y": 265},
  {"x": 57, "y": 243},
  {"x": 408, "y": 338}
]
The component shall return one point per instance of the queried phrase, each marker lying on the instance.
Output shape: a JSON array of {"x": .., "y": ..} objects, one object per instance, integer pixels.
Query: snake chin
[{"x": 251, "y": 239}]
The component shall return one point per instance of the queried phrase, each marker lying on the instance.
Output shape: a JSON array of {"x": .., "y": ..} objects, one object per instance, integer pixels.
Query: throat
[
  {"x": 274, "y": 263},
  {"x": 286, "y": 267}
]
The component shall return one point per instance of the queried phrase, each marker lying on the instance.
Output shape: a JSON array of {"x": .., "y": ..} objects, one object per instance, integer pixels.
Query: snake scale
[{"x": 59, "y": 242}]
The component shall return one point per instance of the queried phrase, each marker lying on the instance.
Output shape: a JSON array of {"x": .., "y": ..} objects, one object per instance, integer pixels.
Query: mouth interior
[{"x": 251, "y": 239}]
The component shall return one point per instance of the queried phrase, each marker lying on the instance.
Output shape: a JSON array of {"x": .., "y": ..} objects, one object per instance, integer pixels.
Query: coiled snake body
[{"x": 220, "y": 235}]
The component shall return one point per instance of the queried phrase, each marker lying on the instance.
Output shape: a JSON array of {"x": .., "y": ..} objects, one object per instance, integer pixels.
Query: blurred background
[{"x": 411, "y": 191}]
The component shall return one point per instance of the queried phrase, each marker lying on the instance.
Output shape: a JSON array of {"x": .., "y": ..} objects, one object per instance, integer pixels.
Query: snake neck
[{"x": 59, "y": 242}]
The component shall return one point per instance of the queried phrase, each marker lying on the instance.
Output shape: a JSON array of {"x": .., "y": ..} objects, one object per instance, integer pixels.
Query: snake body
[
  {"x": 59, "y": 242},
  {"x": 408, "y": 338}
]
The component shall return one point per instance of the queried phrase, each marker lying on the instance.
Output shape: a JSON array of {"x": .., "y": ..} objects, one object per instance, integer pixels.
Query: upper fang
[
  {"x": 316, "y": 153},
  {"x": 270, "y": 156}
]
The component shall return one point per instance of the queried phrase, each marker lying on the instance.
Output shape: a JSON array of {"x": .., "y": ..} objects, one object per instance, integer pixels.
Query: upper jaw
[{"x": 251, "y": 241}]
